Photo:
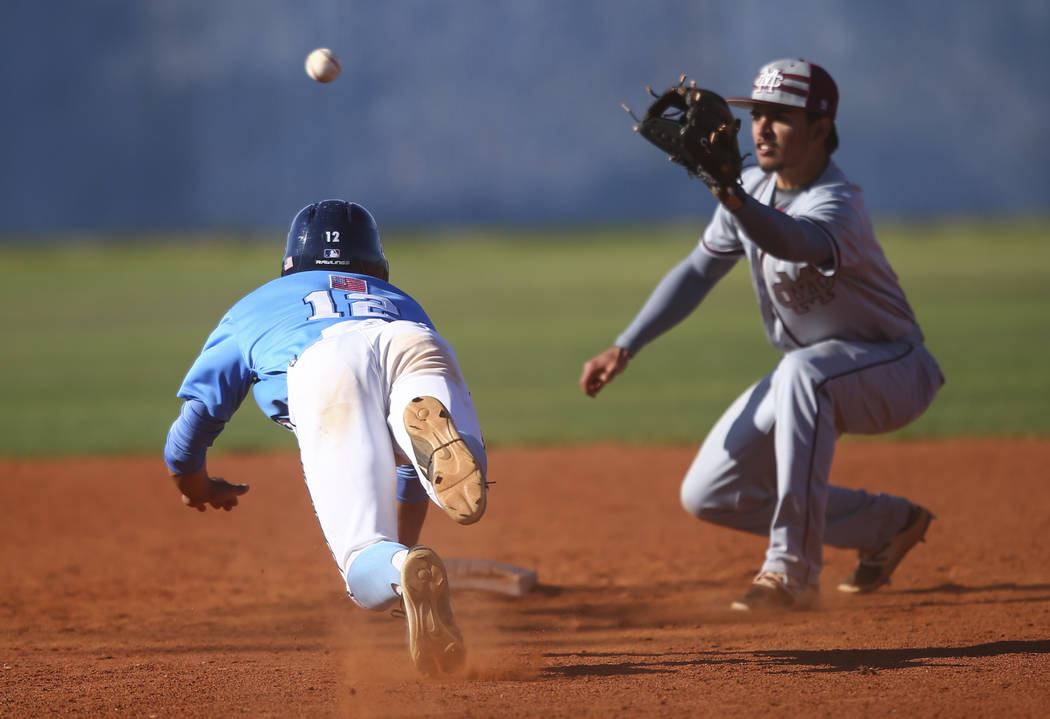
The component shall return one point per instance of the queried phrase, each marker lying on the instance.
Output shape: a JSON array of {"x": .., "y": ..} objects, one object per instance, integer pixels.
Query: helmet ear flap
[
  {"x": 297, "y": 236},
  {"x": 380, "y": 272}
]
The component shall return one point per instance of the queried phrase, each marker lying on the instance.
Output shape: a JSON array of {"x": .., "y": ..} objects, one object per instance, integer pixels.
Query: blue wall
[{"x": 165, "y": 114}]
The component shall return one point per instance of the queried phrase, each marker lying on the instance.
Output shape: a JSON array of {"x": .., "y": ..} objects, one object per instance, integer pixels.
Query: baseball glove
[{"x": 697, "y": 130}]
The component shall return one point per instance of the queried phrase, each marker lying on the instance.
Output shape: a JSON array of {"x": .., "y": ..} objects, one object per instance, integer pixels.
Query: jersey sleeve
[
  {"x": 721, "y": 238},
  {"x": 838, "y": 218},
  {"x": 189, "y": 438},
  {"x": 681, "y": 290},
  {"x": 220, "y": 377}
]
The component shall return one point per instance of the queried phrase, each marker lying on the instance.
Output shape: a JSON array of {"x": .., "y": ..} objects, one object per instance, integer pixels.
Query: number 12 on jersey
[{"x": 327, "y": 305}]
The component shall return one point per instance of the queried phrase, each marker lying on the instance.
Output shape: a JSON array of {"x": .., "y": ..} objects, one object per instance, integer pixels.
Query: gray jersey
[{"x": 854, "y": 297}]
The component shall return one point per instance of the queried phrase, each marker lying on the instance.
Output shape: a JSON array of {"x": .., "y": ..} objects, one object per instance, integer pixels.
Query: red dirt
[{"x": 115, "y": 600}]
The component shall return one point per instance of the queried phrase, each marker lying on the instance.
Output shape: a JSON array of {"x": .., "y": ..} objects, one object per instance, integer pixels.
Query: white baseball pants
[{"x": 346, "y": 396}]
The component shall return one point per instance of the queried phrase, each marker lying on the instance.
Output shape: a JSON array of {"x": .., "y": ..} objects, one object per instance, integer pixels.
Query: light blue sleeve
[
  {"x": 189, "y": 438},
  {"x": 220, "y": 377}
]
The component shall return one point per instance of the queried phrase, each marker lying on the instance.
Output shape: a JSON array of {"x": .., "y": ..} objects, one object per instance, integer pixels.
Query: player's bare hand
[
  {"x": 199, "y": 490},
  {"x": 599, "y": 371}
]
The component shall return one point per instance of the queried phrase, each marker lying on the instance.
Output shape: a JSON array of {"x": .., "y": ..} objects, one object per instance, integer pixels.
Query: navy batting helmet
[{"x": 337, "y": 236}]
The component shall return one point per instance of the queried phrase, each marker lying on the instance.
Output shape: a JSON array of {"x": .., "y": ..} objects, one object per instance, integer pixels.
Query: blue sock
[{"x": 372, "y": 577}]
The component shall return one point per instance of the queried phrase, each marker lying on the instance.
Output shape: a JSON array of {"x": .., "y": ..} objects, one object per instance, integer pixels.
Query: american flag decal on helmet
[{"x": 350, "y": 284}]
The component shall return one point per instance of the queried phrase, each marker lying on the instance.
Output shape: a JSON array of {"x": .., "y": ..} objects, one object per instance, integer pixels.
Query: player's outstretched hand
[
  {"x": 199, "y": 490},
  {"x": 599, "y": 371}
]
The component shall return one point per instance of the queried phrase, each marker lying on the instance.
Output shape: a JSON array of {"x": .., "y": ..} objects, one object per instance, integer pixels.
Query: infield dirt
[{"x": 115, "y": 600}]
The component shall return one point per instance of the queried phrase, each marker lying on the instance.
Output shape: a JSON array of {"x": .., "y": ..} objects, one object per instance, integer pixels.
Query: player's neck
[{"x": 803, "y": 174}]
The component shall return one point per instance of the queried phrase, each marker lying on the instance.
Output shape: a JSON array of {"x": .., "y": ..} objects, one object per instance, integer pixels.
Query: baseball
[{"x": 322, "y": 65}]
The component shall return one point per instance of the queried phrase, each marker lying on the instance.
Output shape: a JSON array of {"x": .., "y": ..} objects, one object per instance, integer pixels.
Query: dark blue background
[{"x": 156, "y": 114}]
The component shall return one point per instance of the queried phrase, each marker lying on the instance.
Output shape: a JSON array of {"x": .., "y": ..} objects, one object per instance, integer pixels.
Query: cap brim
[{"x": 748, "y": 103}]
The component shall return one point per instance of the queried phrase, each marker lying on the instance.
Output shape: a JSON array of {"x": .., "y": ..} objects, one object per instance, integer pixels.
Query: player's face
[{"x": 784, "y": 138}]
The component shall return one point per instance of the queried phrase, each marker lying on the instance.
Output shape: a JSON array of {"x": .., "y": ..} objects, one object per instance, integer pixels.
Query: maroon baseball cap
[{"x": 792, "y": 83}]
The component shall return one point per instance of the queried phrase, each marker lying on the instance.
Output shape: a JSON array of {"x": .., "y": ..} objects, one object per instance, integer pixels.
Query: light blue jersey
[
  {"x": 264, "y": 331},
  {"x": 380, "y": 410}
]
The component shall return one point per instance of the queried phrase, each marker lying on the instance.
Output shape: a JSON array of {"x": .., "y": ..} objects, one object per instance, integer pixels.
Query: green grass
[{"x": 99, "y": 335}]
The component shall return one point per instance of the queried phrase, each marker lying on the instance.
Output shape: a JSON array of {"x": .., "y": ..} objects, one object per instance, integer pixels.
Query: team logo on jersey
[
  {"x": 350, "y": 284},
  {"x": 801, "y": 293},
  {"x": 331, "y": 254}
]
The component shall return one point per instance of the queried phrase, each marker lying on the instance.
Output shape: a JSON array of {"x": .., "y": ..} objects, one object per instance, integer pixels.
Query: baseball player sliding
[
  {"x": 354, "y": 367},
  {"x": 854, "y": 358}
]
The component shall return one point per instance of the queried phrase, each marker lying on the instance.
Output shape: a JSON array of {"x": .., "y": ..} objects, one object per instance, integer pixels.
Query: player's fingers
[
  {"x": 227, "y": 499},
  {"x": 587, "y": 378},
  {"x": 594, "y": 385},
  {"x": 226, "y": 489},
  {"x": 610, "y": 371}
]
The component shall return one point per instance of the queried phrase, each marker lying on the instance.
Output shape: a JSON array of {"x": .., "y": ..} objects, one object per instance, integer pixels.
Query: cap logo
[
  {"x": 769, "y": 80},
  {"x": 792, "y": 84},
  {"x": 775, "y": 85}
]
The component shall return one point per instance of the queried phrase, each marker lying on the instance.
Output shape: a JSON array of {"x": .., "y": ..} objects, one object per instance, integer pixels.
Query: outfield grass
[{"x": 99, "y": 335}]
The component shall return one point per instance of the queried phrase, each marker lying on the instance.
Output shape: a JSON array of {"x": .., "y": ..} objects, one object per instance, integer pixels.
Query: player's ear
[{"x": 819, "y": 129}]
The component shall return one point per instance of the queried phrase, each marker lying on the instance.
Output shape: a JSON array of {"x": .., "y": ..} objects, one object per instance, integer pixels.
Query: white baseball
[{"x": 322, "y": 65}]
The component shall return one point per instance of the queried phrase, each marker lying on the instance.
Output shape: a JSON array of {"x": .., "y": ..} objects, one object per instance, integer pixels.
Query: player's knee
[
  {"x": 698, "y": 500},
  {"x": 690, "y": 505}
]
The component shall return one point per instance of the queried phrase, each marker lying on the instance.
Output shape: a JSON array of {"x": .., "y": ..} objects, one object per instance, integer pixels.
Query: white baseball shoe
[
  {"x": 434, "y": 640},
  {"x": 449, "y": 465}
]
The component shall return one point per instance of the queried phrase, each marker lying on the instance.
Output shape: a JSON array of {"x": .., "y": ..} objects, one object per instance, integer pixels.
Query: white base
[{"x": 490, "y": 576}]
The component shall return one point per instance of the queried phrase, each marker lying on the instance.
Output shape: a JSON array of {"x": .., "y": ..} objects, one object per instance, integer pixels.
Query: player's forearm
[
  {"x": 674, "y": 299},
  {"x": 193, "y": 431},
  {"x": 782, "y": 236}
]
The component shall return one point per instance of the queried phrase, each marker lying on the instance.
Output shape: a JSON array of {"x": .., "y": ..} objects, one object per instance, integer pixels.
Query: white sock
[{"x": 398, "y": 560}]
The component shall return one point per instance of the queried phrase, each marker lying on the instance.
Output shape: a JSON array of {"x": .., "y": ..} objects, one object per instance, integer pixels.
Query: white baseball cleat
[
  {"x": 445, "y": 458},
  {"x": 434, "y": 640}
]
